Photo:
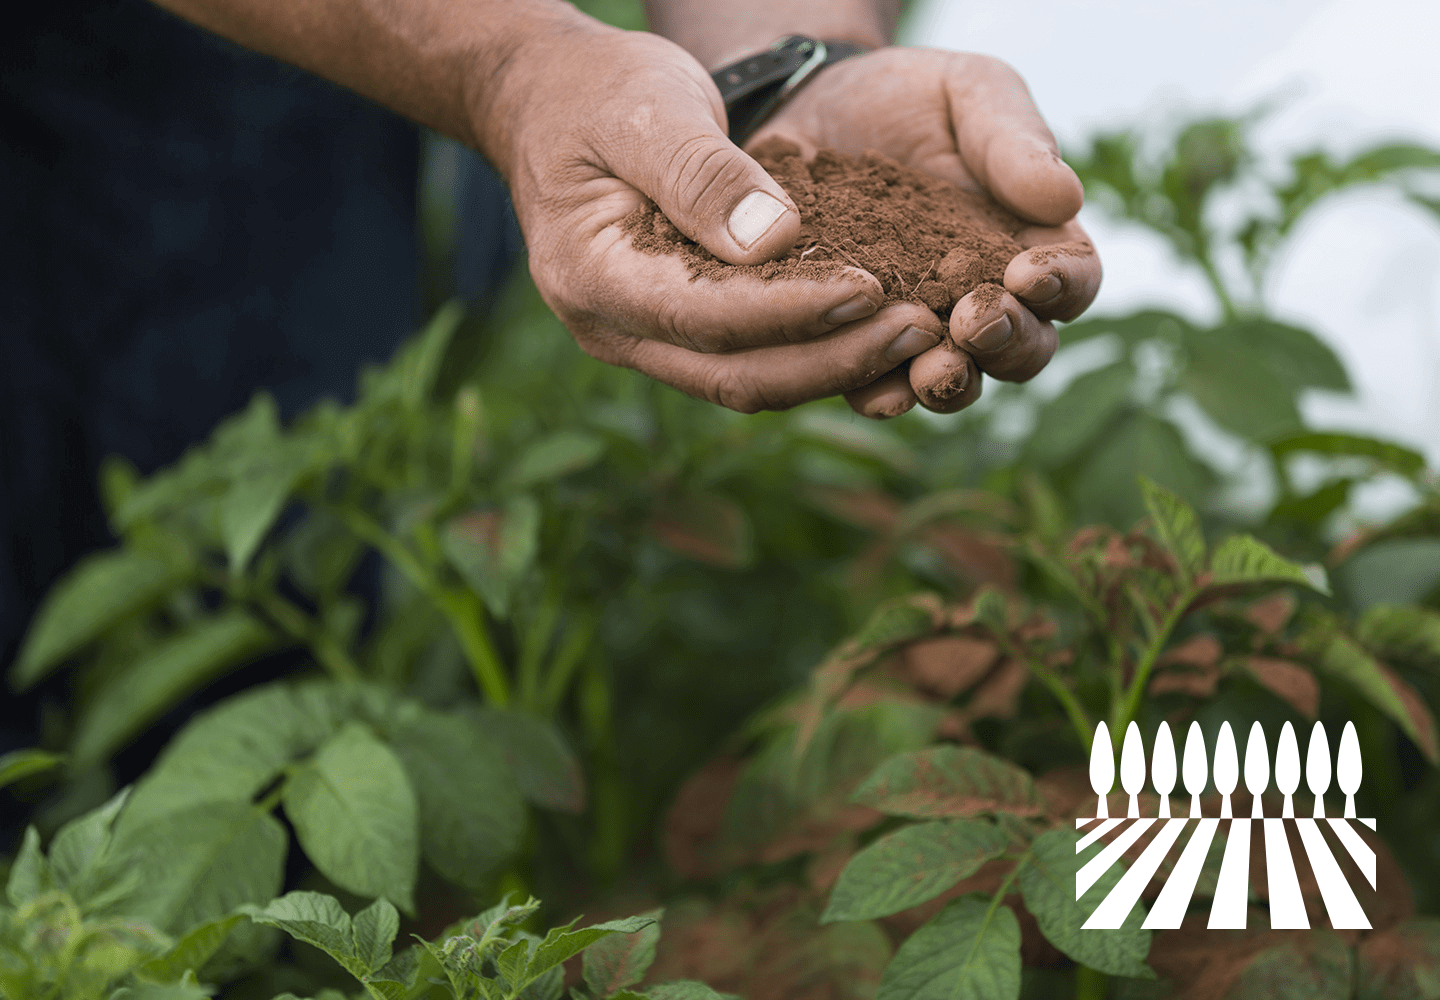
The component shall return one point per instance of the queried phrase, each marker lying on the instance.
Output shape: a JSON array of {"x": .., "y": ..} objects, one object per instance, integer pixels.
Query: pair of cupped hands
[{"x": 607, "y": 118}]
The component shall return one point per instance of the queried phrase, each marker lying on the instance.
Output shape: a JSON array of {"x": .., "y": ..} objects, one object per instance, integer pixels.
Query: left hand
[{"x": 967, "y": 119}]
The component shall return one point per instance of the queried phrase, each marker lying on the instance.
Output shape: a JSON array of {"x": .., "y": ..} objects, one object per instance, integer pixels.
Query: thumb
[{"x": 711, "y": 190}]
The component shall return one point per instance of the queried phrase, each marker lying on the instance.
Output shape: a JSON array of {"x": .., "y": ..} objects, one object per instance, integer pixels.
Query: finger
[
  {"x": 1008, "y": 341},
  {"x": 779, "y": 377},
  {"x": 888, "y": 396},
  {"x": 1006, "y": 144},
  {"x": 1059, "y": 275},
  {"x": 676, "y": 153},
  {"x": 659, "y": 298},
  {"x": 945, "y": 378}
]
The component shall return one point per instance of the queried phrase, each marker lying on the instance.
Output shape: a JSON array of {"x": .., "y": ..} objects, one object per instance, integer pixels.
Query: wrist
[
  {"x": 511, "y": 74},
  {"x": 717, "y": 35}
]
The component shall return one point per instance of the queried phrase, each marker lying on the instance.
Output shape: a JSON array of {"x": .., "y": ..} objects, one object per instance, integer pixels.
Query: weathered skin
[{"x": 585, "y": 121}]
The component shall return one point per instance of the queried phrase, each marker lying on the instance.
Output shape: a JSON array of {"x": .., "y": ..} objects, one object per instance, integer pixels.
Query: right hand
[{"x": 590, "y": 122}]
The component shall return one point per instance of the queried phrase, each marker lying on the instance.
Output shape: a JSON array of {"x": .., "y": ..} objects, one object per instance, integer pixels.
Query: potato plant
[
  {"x": 930, "y": 775},
  {"x": 464, "y": 635}
]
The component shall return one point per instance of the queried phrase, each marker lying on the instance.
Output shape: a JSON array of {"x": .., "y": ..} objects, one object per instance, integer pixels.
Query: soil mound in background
[{"x": 927, "y": 240}]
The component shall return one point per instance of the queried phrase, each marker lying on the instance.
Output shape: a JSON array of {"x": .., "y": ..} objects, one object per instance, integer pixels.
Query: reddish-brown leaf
[
  {"x": 1270, "y": 614},
  {"x": 1417, "y": 710},
  {"x": 979, "y": 557},
  {"x": 946, "y": 665},
  {"x": 1290, "y": 682},
  {"x": 1402, "y": 963},
  {"x": 949, "y": 781}
]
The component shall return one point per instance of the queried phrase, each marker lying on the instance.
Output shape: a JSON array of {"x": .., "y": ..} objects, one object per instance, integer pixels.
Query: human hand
[
  {"x": 967, "y": 119},
  {"x": 589, "y": 122}
]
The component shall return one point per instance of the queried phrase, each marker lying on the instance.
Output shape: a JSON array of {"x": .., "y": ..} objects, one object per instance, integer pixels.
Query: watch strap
[{"x": 754, "y": 88}]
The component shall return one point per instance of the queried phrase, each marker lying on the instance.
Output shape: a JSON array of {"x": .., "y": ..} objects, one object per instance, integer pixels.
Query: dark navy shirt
[{"x": 183, "y": 222}]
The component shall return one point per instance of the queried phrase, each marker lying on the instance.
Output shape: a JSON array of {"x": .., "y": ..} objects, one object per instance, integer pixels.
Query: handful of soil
[{"x": 927, "y": 240}]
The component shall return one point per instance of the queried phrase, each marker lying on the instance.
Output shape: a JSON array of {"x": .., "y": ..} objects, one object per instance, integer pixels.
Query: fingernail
[
  {"x": 994, "y": 336},
  {"x": 753, "y": 217},
  {"x": 850, "y": 310},
  {"x": 1042, "y": 289},
  {"x": 911, "y": 342}
]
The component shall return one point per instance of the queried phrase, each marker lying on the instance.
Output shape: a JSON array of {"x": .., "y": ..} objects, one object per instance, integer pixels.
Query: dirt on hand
[{"x": 926, "y": 240}]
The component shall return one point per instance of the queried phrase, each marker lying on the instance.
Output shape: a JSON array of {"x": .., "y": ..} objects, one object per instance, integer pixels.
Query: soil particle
[{"x": 926, "y": 240}]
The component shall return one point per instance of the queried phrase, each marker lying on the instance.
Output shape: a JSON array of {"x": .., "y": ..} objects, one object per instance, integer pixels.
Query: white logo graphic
[{"x": 1287, "y": 908}]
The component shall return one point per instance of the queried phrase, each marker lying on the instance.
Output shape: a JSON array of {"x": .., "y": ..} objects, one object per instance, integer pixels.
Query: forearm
[
  {"x": 716, "y": 32},
  {"x": 442, "y": 63}
]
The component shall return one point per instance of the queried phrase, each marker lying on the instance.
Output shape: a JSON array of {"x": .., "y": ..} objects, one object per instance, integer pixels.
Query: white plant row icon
[{"x": 1228, "y": 907}]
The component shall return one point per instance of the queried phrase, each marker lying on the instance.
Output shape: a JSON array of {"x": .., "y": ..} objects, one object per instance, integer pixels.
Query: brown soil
[{"x": 927, "y": 240}]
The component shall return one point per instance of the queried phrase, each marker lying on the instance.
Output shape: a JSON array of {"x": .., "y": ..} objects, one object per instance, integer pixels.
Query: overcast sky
[{"x": 1364, "y": 272}]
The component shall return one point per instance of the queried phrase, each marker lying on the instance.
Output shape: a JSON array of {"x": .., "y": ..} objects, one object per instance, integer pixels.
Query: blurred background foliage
[{"x": 625, "y": 574}]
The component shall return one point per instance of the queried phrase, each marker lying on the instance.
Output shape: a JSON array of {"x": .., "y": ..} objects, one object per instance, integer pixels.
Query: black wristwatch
[{"x": 755, "y": 88}]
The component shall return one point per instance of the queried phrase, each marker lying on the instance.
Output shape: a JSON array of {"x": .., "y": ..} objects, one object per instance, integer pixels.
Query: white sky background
[{"x": 1364, "y": 271}]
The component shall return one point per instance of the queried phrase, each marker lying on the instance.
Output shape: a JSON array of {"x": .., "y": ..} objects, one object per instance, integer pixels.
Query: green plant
[{"x": 1147, "y": 626}]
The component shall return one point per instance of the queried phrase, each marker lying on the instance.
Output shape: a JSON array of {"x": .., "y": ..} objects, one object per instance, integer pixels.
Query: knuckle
[
  {"x": 676, "y": 323},
  {"x": 697, "y": 167},
  {"x": 736, "y": 389}
]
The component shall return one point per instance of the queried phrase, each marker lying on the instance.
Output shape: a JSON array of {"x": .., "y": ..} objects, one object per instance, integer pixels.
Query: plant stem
[
  {"x": 461, "y": 607},
  {"x": 1212, "y": 275},
  {"x": 1076, "y": 712},
  {"x": 300, "y": 626},
  {"x": 1090, "y": 984},
  {"x": 1131, "y": 705}
]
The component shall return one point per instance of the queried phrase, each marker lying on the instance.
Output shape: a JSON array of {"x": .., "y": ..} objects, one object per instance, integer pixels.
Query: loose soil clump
[{"x": 925, "y": 239}]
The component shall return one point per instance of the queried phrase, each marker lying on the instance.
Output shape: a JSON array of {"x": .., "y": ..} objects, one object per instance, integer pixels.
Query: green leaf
[
  {"x": 1402, "y": 633},
  {"x": 1406, "y": 461},
  {"x": 230, "y": 752},
  {"x": 616, "y": 962},
  {"x": 1139, "y": 444},
  {"x": 100, "y": 591},
  {"x": 511, "y": 963},
  {"x": 562, "y": 942},
  {"x": 1132, "y": 328},
  {"x": 1294, "y": 356},
  {"x": 1070, "y": 421},
  {"x": 355, "y": 815},
  {"x": 396, "y": 978},
  {"x": 1047, "y": 883},
  {"x": 964, "y": 952},
  {"x": 316, "y": 919},
  {"x": 492, "y": 550},
  {"x": 80, "y": 849},
  {"x": 1244, "y": 559},
  {"x": 556, "y": 455},
  {"x": 472, "y": 819},
  {"x": 1313, "y": 966},
  {"x": 374, "y": 929},
  {"x": 1233, "y": 381},
  {"x": 191, "y": 952},
  {"x": 1394, "y": 571},
  {"x": 197, "y": 865},
  {"x": 1344, "y": 659},
  {"x": 910, "y": 866},
  {"x": 168, "y": 991},
  {"x": 127, "y": 702},
  {"x": 261, "y": 484},
  {"x": 893, "y": 622},
  {"x": 948, "y": 781},
  {"x": 684, "y": 989},
  {"x": 546, "y": 769},
  {"x": 18, "y": 764},
  {"x": 1177, "y": 526},
  {"x": 420, "y": 363},
  {"x": 30, "y": 873}
]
